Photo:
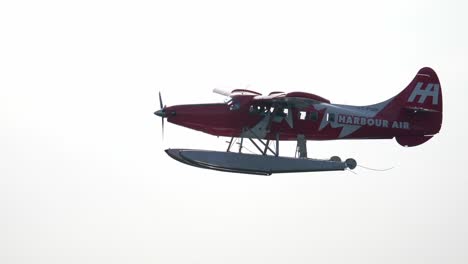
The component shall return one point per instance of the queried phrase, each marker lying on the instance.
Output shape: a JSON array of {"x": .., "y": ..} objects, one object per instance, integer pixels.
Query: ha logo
[{"x": 431, "y": 90}]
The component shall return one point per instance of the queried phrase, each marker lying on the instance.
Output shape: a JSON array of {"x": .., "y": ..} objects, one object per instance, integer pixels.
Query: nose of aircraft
[{"x": 160, "y": 113}]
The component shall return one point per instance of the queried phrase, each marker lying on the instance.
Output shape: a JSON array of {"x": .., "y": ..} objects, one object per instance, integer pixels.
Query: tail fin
[
  {"x": 421, "y": 101},
  {"x": 424, "y": 92}
]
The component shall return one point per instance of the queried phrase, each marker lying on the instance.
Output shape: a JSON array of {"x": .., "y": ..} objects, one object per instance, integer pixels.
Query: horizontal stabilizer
[{"x": 414, "y": 109}]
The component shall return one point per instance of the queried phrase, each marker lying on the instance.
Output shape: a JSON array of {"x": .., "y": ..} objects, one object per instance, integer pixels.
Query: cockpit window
[{"x": 233, "y": 105}]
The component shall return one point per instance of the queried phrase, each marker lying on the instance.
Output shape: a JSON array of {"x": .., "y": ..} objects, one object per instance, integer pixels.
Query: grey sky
[{"x": 83, "y": 175}]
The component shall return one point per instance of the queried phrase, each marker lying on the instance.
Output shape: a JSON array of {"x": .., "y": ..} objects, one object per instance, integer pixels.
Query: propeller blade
[
  {"x": 162, "y": 120},
  {"x": 160, "y": 101},
  {"x": 161, "y": 113}
]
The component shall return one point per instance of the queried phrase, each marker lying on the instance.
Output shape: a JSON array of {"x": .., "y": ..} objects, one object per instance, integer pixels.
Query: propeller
[{"x": 161, "y": 112}]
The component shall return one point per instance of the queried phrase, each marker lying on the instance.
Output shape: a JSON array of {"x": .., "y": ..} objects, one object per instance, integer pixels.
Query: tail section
[
  {"x": 424, "y": 92},
  {"x": 421, "y": 105}
]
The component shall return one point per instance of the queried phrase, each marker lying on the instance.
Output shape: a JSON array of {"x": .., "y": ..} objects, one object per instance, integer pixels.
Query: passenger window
[
  {"x": 258, "y": 109},
  {"x": 302, "y": 115},
  {"x": 330, "y": 117},
  {"x": 314, "y": 116}
]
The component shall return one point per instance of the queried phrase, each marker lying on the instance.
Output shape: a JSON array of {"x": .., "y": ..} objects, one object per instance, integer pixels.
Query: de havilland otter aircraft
[{"x": 412, "y": 117}]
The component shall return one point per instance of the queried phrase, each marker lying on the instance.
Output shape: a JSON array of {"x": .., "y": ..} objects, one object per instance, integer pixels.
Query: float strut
[
  {"x": 266, "y": 147},
  {"x": 240, "y": 145},
  {"x": 277, "y": 145},
  {"x": 230, "y": 143}
]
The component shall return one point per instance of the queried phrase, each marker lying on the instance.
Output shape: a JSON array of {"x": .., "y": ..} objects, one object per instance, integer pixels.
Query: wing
[
  {"x": 291, "y": 100},
  {"x": 281, "y": 101},
  {"x": 235, "y": 92},
  {"x": 287, "y": 100}
]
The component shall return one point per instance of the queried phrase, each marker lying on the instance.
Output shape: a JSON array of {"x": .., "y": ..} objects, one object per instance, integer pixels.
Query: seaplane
[{"x": 412, "y": 117}]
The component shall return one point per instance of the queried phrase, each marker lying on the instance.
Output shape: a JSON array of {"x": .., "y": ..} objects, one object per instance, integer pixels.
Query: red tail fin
[
  {"x": 423, "y": 92},
  {"x": 422, "y": 104}
]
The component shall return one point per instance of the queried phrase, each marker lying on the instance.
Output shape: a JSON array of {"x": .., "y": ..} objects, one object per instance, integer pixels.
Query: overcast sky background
[{"x": 83, "y": 174}]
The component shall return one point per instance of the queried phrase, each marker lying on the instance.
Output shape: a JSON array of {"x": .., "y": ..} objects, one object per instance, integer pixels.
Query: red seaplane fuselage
[{"x": 412, "y": 117}]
